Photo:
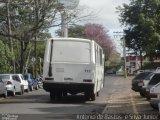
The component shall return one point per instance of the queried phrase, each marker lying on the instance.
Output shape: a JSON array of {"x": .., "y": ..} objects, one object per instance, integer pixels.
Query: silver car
[
  {"x": 12, "y": 83},
  {"x": 3, "y": 90}
]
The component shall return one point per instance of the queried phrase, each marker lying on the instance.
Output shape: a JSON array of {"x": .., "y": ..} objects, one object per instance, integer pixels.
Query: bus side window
[
  {"x": 97, "y": 56},
  {"x": 95, "y": 48},
  {"x": 101, "y": 62}
]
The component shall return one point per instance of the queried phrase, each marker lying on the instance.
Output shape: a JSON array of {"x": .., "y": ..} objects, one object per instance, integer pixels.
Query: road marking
[
  {"x": 107, "y": 102},
  {"x": 133, "y": 104}
]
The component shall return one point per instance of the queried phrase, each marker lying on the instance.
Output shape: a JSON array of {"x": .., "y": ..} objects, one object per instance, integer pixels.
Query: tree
[
  {"x": 98, "y": 33},
  {"x": 5, "y": 58},
  {"x": 28, "y": 19},
  {"x": 76, "y": 31},
  {"x": 141, "y": 17}
]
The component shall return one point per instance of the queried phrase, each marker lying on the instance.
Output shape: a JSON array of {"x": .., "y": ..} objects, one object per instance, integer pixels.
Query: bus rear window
[{"x": 71, "y": 51}]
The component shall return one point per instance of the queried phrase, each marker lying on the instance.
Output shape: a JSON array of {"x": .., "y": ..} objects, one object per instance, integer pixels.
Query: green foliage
[
  {"x": 76, "y": 31},
  {"x": 142, "y": 20},
  {"x": 5, "y": 66},
  {"x": 28, "y": 19}
]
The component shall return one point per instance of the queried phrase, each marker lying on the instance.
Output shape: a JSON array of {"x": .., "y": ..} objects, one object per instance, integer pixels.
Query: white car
[
  {"x": 24, "y": 83},
  {"x": 3, "y": 90},
  {"x": 12, "y": 83}
]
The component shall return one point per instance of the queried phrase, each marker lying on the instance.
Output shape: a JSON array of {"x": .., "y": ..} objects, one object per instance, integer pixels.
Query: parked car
[
  {"x": 12, "y": 83},
  {"x": 32, "y": 83},
  {"x": 3, "y": 90},
  {"x": 24, "y": 83},
  {"x": 154, "y": 80},
  {"x": 154, "y": 101},
  {"x": 40, "y": 82},
  {"x": 137, "y": 82},
  {"x": 145, "y": 83}
]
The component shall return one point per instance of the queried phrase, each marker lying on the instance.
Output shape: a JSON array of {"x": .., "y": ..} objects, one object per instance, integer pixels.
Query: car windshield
[
  {"x": 155, "y": 79},
  {"x": 25, "y": 77},
  {"x": 4, "y": 77},
  {"x": 149, "y": 76},
  {"x": 141, "y": 76}
]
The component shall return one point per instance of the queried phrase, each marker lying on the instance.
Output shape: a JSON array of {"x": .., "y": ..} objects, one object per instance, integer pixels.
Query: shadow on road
[{"x": 74, "y": 99}]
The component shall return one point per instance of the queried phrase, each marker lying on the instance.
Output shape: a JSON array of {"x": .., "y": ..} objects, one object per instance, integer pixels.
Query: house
[{"x": 133, "y": 63}]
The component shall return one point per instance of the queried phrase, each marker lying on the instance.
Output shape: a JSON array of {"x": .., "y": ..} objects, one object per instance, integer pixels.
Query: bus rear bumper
[{"x": 68, "y": 87}]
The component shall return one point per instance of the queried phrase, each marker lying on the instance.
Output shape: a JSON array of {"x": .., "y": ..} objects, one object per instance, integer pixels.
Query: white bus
[{"x": 73, "y": 65}]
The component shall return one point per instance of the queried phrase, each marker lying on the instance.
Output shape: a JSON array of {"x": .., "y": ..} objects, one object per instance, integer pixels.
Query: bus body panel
[{"x": 73, "y": 65}]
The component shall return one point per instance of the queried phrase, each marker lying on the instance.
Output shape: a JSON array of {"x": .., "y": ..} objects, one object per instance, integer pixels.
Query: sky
[
  {"x": 107, "y": 16},
  {"x": 105, "y": 11}
]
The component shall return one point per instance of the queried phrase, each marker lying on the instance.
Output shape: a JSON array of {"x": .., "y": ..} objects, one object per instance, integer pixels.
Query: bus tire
[
  {"x": 97, "y": 93},
  {"x": 64, "y": 94},
  {"x": 87, "y": 96},
  {"x": 52, "y": 96},
  {"x": 93, "y": 97},
  {"x": 59, "y": 95}
]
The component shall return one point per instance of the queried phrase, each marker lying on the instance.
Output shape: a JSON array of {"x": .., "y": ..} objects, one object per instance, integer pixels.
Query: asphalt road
[{"x": 115, "y": 98}]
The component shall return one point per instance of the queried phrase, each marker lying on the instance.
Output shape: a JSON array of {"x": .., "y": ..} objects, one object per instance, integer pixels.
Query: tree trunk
[
  {"x": 141, "y": 59},
  {"x": 21, "y": 61}
]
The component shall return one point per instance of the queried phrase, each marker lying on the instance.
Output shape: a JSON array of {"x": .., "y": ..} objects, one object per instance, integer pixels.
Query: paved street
[{"x": 116, "y": 97}]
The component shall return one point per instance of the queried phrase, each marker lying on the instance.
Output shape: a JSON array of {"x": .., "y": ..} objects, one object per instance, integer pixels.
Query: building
[{"x": 133, "y": 63}]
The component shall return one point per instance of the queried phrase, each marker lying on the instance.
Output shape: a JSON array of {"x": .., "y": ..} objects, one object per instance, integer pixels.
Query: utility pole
[
  {"x": 121, "y": 36},
  {"x": 64, "y": 22},
  {"x": 124, "y": 55}
]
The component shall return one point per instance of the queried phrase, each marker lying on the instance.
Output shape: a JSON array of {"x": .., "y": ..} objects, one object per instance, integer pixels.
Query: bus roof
[{"x": 74, "y": 39}]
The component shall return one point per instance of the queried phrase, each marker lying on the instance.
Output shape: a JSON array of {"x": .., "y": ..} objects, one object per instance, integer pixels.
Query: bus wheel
[
  {"x": 64, "y": 94},
  {"x": 93, "y": 97},
  {"x": 87, "y": 96},
  {"x": 59, "y": 95},
  {"x": 97, "y": 93},
  {"x": 52, "y": 95}
]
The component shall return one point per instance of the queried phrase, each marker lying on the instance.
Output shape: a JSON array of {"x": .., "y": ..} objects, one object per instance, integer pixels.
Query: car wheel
[
  {"x": 31, "y": 88},
  {"x": 21, "y": 92},
  {"x": 13, "y": 92},
  {"x": 27, "y": 90},
  {"x": 36, "y": 87},
  {"x": 5, "y": 94},
  {"x": 141, "y": 93}
]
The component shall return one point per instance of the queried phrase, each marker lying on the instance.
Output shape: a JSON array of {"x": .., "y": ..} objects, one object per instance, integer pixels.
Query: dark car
[
  {"x": 137, "y": 82},
  {"x": 33, "y": 83}
]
